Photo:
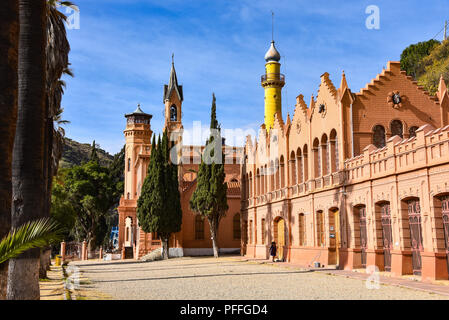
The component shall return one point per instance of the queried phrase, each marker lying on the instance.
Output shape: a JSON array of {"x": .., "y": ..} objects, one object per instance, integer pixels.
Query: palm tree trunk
[
  {"x": 28, "y": 152},
  {"x": 47, "y": 168},
  {"x": 9, "y": 45}
]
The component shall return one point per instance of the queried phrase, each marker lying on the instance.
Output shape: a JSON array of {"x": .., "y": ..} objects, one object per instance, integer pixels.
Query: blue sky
[{"x": 121, "y": 55}]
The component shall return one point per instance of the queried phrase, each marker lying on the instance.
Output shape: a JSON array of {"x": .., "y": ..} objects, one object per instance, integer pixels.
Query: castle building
[
  {"x": 351, "y": 179},
  {"x": 194, "y": 237}
]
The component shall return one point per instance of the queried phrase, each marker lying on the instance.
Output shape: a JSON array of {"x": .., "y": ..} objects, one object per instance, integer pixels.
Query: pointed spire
[
  {"x": 312, "y": 102},
  {"x": 343, "y": 83},
  {"x": 173, "y": 83}
]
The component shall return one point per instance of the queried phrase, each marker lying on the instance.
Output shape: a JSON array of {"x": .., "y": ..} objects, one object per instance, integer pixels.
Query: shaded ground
[
  {"x": 52, "y": 288},
  {"x": 226, "y": 278}
]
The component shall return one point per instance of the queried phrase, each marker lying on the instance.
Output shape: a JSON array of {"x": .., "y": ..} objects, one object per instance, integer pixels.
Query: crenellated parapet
[{"x": 429, "y": 148}]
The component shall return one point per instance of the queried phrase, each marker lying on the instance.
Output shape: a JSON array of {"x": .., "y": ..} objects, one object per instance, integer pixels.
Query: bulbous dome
[{"x": 272, "y": 54}]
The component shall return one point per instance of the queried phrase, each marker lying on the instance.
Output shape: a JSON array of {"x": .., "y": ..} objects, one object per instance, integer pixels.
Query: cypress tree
[
  {"x": 93, "y": 153},
  {"x": 209, "y": 198},
  {"x": 159, "y": 206}
]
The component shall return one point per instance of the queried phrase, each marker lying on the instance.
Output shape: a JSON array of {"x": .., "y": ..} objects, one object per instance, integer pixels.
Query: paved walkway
[
  {"x": 411, "y": 282},
  {"x": 53, "y": 287},
  {"x": 230, "y": 278}
]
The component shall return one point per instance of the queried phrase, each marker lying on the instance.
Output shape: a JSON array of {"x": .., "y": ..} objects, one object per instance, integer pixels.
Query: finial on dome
[{"x": 272, "y": 54}]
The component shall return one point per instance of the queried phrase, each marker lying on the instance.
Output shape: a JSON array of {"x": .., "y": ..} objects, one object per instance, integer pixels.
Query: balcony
[{"x": 278, "y": 77}]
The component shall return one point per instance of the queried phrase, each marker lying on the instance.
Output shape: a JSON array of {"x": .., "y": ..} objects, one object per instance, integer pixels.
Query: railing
[{"x": 272, "y": 76}]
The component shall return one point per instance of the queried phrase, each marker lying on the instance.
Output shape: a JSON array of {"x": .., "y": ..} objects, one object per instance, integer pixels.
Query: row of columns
[{"x": 325, "y": 161}]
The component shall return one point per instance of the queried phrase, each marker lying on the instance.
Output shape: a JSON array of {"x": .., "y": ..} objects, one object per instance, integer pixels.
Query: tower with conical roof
[{"x": 272, "y": 81}]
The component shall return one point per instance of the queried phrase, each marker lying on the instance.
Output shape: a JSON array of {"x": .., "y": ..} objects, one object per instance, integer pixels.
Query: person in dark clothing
[{"x": 273, "y": 250}]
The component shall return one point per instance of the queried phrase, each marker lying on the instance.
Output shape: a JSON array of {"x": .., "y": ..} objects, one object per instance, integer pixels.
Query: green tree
[
  {"x": 9, "y": 46},
  {"x": 412, "y": 56},
  {"x": 89, "y": 191},
  {"x": 93, "y": 153},
  {"x": 209, "y": 198},
  {"x": 435, "y": 65},
  {"x": 117, "y": 176},
  {"x": 62, "y": 209},
  {"x": 159, "y": 207}
]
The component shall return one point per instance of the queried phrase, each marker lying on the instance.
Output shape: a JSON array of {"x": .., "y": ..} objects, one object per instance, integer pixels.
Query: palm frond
[{"x": 33, "y": 234}]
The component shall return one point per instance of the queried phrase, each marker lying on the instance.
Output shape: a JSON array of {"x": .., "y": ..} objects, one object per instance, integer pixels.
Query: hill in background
[{"x": 75, "y": 153}]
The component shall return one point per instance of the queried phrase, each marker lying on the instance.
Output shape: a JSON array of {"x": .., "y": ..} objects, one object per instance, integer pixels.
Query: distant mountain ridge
[{"x": 76, "y": 153}]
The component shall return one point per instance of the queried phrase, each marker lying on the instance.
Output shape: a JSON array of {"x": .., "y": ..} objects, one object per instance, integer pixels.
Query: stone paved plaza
[{"x": 226, "y": 278}]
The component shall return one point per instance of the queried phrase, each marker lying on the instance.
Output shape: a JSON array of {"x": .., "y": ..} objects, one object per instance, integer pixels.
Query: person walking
[{"x": 273, "y": 250}]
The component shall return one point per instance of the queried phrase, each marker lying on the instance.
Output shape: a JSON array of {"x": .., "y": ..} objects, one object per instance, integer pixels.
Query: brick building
[
  {"x": 352, "y": 179},
  {"x": 194, "y": 237}
]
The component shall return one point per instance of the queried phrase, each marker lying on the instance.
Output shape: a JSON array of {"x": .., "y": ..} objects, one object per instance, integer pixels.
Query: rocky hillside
[{"x": 76, "y": 153}]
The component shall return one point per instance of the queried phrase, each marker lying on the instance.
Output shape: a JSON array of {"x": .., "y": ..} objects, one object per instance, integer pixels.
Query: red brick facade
[{"x": 189, "y": 241}]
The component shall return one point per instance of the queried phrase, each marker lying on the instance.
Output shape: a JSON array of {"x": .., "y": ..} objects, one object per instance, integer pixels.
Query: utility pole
[{"x": 445, "y": 29}]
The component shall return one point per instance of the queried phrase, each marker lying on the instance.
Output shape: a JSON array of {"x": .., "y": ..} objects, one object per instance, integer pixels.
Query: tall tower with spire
[
  {"x": 173, "y": 98},
  {"x": 272, "y": 82}
]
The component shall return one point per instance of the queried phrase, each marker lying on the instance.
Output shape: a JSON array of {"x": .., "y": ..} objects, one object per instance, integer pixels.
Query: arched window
[
  {"x": 282, "y": 171},
  {"x": 257, "y": 182},
  {"x": 276, "y": 166},
  {"x": 272, "y": 173},
  {"x": 305, "y": 162},
  {"x": 412, "y": 131},
  {"x": 199, "y": 227},
  {"x": 299, "y": 166},
  {"x": 250, "y": 185},
  {"x": 316, "y": 158},
  {"x": 333, "y": 151},
  {"x": 302, "y": 229},
  {"x": 173, "y": 113},
  {"x": 293, "y": 168},
  {"x": 236, "y": 226},
  {"x": 324, "y": 155},
  {"x": 247, "y": 186},
  {"x": 129, "y": 164},
  {"x": 379, "y": 136},
  {"x": 262, "y": 181},
  {"x": 265, "y": 179},
  {"x": 396, "y": 128}
]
